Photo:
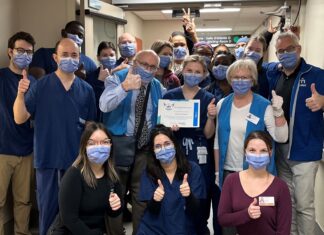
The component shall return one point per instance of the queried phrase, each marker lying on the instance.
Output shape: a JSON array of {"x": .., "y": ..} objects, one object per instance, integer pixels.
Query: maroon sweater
[{"x": 234, "y": 203}]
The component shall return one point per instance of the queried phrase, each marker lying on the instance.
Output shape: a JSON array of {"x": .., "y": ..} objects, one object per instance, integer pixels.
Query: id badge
[
  {"x": 252, "y": 118},
  {"x": 266, "y": 201},
  {"x": 202, "y": 154}
]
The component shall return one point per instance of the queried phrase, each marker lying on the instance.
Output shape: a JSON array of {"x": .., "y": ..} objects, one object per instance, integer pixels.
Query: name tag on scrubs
[
  {"x": 252, "y": 118},
  {"x": 266, "y": 201},
  {"x": 82, "y": 121},
  {"x": 202, "y": 155}
]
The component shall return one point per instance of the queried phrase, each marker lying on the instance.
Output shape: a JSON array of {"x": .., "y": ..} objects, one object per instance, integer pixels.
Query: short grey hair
[
  {"x": 147, "y": 52},
  {"x": 196, "y": 58},
  {"x": 290, "y": 35},
  {"x": 243, "y": 64}
]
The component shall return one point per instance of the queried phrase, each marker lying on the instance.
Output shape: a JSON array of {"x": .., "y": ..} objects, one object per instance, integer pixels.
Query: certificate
[{"x": 183, "y": 113}]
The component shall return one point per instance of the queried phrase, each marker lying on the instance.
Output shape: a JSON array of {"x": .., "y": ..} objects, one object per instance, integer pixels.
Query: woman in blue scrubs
[
  {"x": 172, "y": 186},
  {"x": 194, "y": 140}
]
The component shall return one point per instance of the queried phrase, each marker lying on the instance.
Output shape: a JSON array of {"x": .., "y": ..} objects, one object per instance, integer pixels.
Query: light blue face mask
[
  {"x": 165, "y": 61},
  {"x": 253, "y": 55},
  {"x": 242, "y": 86},
  {"x": 207, "y": 60},
  {"x": 257, "y": 161},
  {"x": 179, "y": 52},
  {"x": 166, "y": 155},
  {"x": 192, "y": 79},
  {"x": 219, "y": 71},
  {"x": 239, "y": 52},
  {"x": 98, "y": 154},
  {"x": 108, "y": 62},
  {"x": 22, "y": 60},
  {"x": 288, "y": 59},
  {"x": 127, "y": 49},
  {"x": 145, "y": 75},
  {"x": 68, "y": 65},
  {"x": 76, "y": 39}
]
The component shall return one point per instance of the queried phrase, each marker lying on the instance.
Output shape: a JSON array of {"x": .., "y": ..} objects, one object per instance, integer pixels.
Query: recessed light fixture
[
  {"x": 213, "y": 29},
  {"x": 217, "y": 10},
  {"x": 166, "y": 11}
]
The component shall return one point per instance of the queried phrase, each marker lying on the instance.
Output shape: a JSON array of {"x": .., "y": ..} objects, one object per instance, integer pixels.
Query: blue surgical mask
[
  {"x": 166, "y": 155},
  {"x": 127, "y": 49},
  {"x": 179, "y": 52},
  {"x": 192, "y": 79},
  {"x": 288, "y": 60},
  {"x": 207, "y": 60},
  {"x": 108, "y": 62},
  {"x": 68, "y": 65},
  {"x": 22, "y": 60},
  {"x": 76, "y": 39},
  {"x": 219, "y": 71},
  {"x": 146, "y": 76},
  {"x": 253, "y": 55},
  {"x": 242, "y": 86},
  {"x": 257, "y": 161},
  {"x": 239, "y": 52},
  {"x": 165, "y": 61},
  {"x": 98, "y": 154}
]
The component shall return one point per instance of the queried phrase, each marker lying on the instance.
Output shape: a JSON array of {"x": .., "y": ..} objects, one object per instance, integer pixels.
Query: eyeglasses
[
  {"x": 21, "y": 51},
  {"x": 102, "y": 142},
  {"x": 147, "y": 66},
  {"x": 159, "y": 147},
  {"x": 240, "y": 78},
  {"x": 286, "y": 50}
]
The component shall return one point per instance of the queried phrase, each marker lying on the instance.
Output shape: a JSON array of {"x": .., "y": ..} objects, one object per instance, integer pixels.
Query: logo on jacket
[{"x": 302, "y": 82}]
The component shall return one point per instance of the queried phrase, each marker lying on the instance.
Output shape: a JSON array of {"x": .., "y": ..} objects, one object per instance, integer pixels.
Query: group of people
[{"x": 253, "y": 157}]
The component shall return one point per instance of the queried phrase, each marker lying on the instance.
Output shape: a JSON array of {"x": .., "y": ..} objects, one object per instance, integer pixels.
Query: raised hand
[
  {"x": 184, "y": 187},
  {"x": 132, "y": 81},
  {"x": 123, "y": 65},
  {"x": 114, "y": 201},
  {"x": 211, "y": 109},
  {"x": 159, "y": 192},
  {"x": 188, "y": 22},
  {"x": 103, "y": 73},
  {"x": 23, "y": 84},
  {"x": 276, "y": 103},
  {"x": 254, "y": 210},
  {"x": 316, "y": 101}
]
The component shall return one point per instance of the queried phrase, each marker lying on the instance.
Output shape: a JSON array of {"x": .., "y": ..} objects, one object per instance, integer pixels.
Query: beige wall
[{"x": 134, "y": 25}]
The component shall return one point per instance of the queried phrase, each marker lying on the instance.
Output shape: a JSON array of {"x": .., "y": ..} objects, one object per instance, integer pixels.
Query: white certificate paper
[{"x": 183, "y": 113}]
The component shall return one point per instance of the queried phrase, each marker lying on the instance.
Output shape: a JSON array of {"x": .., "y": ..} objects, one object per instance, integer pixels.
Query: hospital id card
[
  {"x": 183, "y": 113},
  {"x": 266, "y": 201}
]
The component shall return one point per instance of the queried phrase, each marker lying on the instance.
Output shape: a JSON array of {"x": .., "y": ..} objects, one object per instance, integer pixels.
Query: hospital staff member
[
  {"x": 171, "y": 185},
  {"x": 60, "y": 105}
]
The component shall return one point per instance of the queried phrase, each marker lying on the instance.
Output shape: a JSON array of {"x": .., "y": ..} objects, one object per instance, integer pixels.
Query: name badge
[
  {"x": 202, "y": 155},
  {"x": 252, "y": 118},
  {"x": 82, "y": 121},
  {"x": 266, "y": 201}
]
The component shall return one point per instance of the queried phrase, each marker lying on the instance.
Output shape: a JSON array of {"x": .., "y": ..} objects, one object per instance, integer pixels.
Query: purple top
[{"x": 234, "y": 203}]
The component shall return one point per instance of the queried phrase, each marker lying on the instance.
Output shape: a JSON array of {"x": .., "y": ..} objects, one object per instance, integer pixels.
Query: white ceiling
[{"x": 247, "y": 20}]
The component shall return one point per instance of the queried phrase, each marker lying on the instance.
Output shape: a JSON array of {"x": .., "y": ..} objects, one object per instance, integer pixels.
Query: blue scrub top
[
  {"x": 43, "y": 58},
  {"x": 60, "y": 117},
  {"x": 14, "y": 139},
  {"x": 173, "y": 218}
]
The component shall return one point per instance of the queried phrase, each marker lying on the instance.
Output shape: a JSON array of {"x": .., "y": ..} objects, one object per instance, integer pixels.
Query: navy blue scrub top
[
  {"x": 59, "y": 119},
  {"x": 43, "y": 58},
  {"x": 172, "y": 218},
  {"x": 14, "y": 139}
]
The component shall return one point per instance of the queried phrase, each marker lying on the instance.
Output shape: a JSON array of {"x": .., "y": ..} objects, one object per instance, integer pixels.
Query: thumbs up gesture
[
  {"x": 23, "y": 84},
  {"x": 103, "y": 73},
  {"x": 276, "y": 103},
  {"x": 132, "y": 81},
  {"x": 254, "y": 210},
  {"x": 211, "y": 109},
  {"x": 316, "y": 101},
  {"x": 184, "y": 187},
  {"x": 159, "y": 192},
  {"x": 114, "y": 201}
]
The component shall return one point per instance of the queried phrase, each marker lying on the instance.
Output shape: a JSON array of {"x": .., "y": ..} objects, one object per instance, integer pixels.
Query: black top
[
  {"x": 284, "y": 88},
  {"x": 82, "y": 208}
]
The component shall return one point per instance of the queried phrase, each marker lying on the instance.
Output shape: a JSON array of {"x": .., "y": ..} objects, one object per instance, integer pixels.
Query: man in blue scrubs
[
  {"x": 43, "y": 62},
  {"x": 16, "y": 141},
  {"x": 60, "y": 104}
]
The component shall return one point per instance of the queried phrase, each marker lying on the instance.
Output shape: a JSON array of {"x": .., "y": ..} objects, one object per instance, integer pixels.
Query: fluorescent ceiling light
[
  {"x": 213, "y": 29},
  {"x": 166, "y": 11},
  {"x": 216, "y": 10}
]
